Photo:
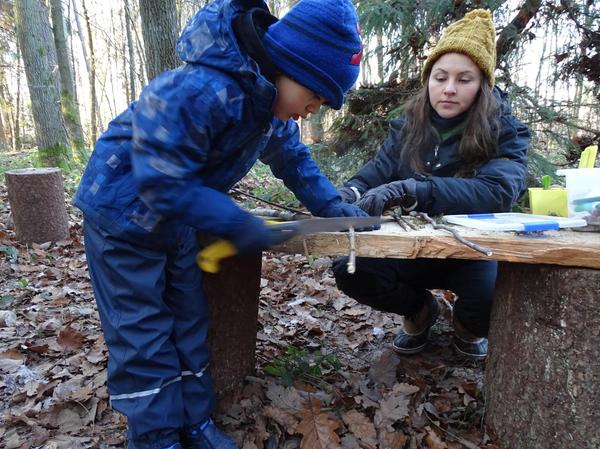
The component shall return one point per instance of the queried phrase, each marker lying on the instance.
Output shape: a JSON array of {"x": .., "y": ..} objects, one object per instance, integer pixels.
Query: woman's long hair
[{"x": 479, "y": 140}]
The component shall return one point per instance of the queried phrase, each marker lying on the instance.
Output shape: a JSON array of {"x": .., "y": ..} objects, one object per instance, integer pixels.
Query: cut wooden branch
[{"x": 482, "y": 249}]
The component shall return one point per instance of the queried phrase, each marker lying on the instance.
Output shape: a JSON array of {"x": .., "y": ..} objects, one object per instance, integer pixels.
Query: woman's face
[
  {"x": 453, "y": 84},
  {"x": 294, "y": 100}
]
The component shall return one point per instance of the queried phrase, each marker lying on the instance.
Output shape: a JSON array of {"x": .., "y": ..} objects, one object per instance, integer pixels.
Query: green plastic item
[{"x": 546, "y": 182}]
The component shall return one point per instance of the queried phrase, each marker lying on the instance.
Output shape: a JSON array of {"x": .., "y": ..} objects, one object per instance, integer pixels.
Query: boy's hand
[
  {"x": 341, "y": 209},
  {"x": 257, "y": 236}
]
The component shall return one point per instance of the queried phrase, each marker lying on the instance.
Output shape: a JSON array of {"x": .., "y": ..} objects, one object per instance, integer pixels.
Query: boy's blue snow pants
[{"x": 154, "y": 315}]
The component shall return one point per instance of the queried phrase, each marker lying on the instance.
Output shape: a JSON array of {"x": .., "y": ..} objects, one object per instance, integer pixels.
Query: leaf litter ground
[{"x": 325, "y": 377}]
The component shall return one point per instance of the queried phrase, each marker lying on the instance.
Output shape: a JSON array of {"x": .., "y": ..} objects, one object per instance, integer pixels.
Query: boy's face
[{"x": 294, "y": 100}]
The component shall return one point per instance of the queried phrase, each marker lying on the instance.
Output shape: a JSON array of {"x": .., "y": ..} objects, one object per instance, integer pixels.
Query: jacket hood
[
  {"x": 208, "y": 39},
  {"x": 503, "y": 101}
]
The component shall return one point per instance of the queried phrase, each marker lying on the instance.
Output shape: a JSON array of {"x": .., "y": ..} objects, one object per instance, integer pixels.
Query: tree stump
[
  {"x": 233, "y": 300},
  {"x": 543, "y": 369},
  {"x": 37, "y": 203}
]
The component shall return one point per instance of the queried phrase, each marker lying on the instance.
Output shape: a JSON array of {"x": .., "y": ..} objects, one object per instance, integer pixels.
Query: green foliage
[
  {"x": 339, "y": 168},
  {"x": 11, "y": 252},
  {"x": 5, "y": 301},
  {"x": 261, "y": 183},
  {"x": 12, "y": 161},
  {"x": 298, "y": 363},
  {"x": 409, "y": 27}
]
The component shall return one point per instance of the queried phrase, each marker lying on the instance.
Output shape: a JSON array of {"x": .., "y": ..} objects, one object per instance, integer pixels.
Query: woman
[{"x": 457, "y": 149}]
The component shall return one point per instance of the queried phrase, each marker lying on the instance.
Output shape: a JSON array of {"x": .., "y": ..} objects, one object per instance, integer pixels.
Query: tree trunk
[
  {"x": 17, "y": 117},
  {"x": 233, "y": 300},
  {"x": 507, "y": 40},
  {"x": 542, "y": 374},
  {"x": 6, "y": 125},
  {"x": 70, "y": 108},
  {"x": 3, "y": 136},
  {"x": 159, "y": 29},
  {"x": 39, "y": 56},
  {"x": 37, "y": 203},
  {"x": 92, "y": 68},
  {"x": 130, "y": 48}
]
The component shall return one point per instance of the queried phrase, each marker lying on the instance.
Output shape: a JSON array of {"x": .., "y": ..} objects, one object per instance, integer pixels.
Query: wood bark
[
  {"x": 233, "y": 300},
  {"x": 94, "y": 112},
  {"x": 543, "y": 376},
  {"x": 130, "y": 48},
  {"x": 37, "y": 202},
  {"x": 159, "y": 29},
  {"x": 69, "y": 105},
  {"x": 508, "y": 38},
  {"x": 39, "y": 57}
]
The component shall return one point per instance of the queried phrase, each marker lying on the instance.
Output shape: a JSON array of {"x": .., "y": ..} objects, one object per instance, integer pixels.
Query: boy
[{"x": 161, "y": 172}]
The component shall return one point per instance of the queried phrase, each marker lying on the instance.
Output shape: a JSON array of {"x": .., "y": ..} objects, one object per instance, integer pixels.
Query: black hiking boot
[{"x": 414, "y": 335}]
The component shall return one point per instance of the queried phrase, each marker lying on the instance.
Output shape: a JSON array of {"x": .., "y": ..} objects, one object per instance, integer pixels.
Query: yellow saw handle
[{"x": 209, "y": 258}]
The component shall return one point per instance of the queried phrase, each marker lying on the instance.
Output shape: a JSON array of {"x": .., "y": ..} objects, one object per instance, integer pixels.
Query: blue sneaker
[
  {"x": 175, "y": 446},
  {"x": 207, "y": 435}
]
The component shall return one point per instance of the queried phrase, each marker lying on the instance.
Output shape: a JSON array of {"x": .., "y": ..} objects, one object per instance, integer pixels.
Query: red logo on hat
[{"x": 357, "y": 57}]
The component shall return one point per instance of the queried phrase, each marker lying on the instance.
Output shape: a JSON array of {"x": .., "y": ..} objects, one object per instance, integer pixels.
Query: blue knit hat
[{"x": 317, "y": 44}]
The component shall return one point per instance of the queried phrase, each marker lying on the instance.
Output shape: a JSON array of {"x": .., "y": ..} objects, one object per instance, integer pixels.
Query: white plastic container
[{"x": 583, "y": 189}]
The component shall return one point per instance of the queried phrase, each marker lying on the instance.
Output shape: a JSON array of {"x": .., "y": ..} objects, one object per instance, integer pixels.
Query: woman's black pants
[{"x": 398, "y": 286}]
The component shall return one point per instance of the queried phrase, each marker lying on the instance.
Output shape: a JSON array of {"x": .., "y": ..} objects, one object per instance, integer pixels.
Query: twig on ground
[{"x": 482, "y": 249}]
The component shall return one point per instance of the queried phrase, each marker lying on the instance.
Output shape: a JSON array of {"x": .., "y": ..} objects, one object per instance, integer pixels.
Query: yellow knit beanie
[{"x": 474, "y": 36}]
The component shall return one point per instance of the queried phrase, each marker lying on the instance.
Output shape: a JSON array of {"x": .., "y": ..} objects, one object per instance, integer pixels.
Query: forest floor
[{"x": 325, "y": 375}]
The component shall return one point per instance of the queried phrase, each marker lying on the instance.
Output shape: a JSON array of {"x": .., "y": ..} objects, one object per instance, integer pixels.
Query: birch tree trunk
[
  {"x": 69, "y": 105},
  {"x": 159, "y": 29},
  {"x": 39, "y": 57}
]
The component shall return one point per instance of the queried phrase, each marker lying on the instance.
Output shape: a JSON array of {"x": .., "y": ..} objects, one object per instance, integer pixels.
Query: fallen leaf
[
  {"x": 318, "y": 429},
  {"x": 392, "y": 408},
  {"x": 70, "y": 339},
  {"x": 433, "y": 441},
  {"x": 285, "y": 419},
  {"x": 361, "y": 426},
  {"x": 383, "y": 368}
]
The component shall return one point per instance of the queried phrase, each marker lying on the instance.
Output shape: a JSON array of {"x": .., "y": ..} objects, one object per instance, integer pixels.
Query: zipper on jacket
[{"x": 435, "y": 152}]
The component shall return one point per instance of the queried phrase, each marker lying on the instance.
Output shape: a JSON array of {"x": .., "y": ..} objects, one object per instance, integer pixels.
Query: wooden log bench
[{"x": 542, "y": 381}]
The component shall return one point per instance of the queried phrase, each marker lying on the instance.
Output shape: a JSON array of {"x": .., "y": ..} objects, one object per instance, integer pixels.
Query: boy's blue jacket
[
  {"x": 495, "y": 187},
  {"x": 168, "y": 160}
]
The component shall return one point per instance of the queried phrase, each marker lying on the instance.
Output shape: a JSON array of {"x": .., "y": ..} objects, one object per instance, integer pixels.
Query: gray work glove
[
  {"x": 397, "y": 193},
  {"x": 349, "y": 194}
]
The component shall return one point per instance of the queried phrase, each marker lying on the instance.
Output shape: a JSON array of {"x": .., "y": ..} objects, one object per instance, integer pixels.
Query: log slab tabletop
[{"x": 564, "y": 247}]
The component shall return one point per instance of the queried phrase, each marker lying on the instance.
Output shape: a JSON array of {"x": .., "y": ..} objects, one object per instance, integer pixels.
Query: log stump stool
[
  {"x": 542, "y": 377},
  {"x": 37, "y": 203}
]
